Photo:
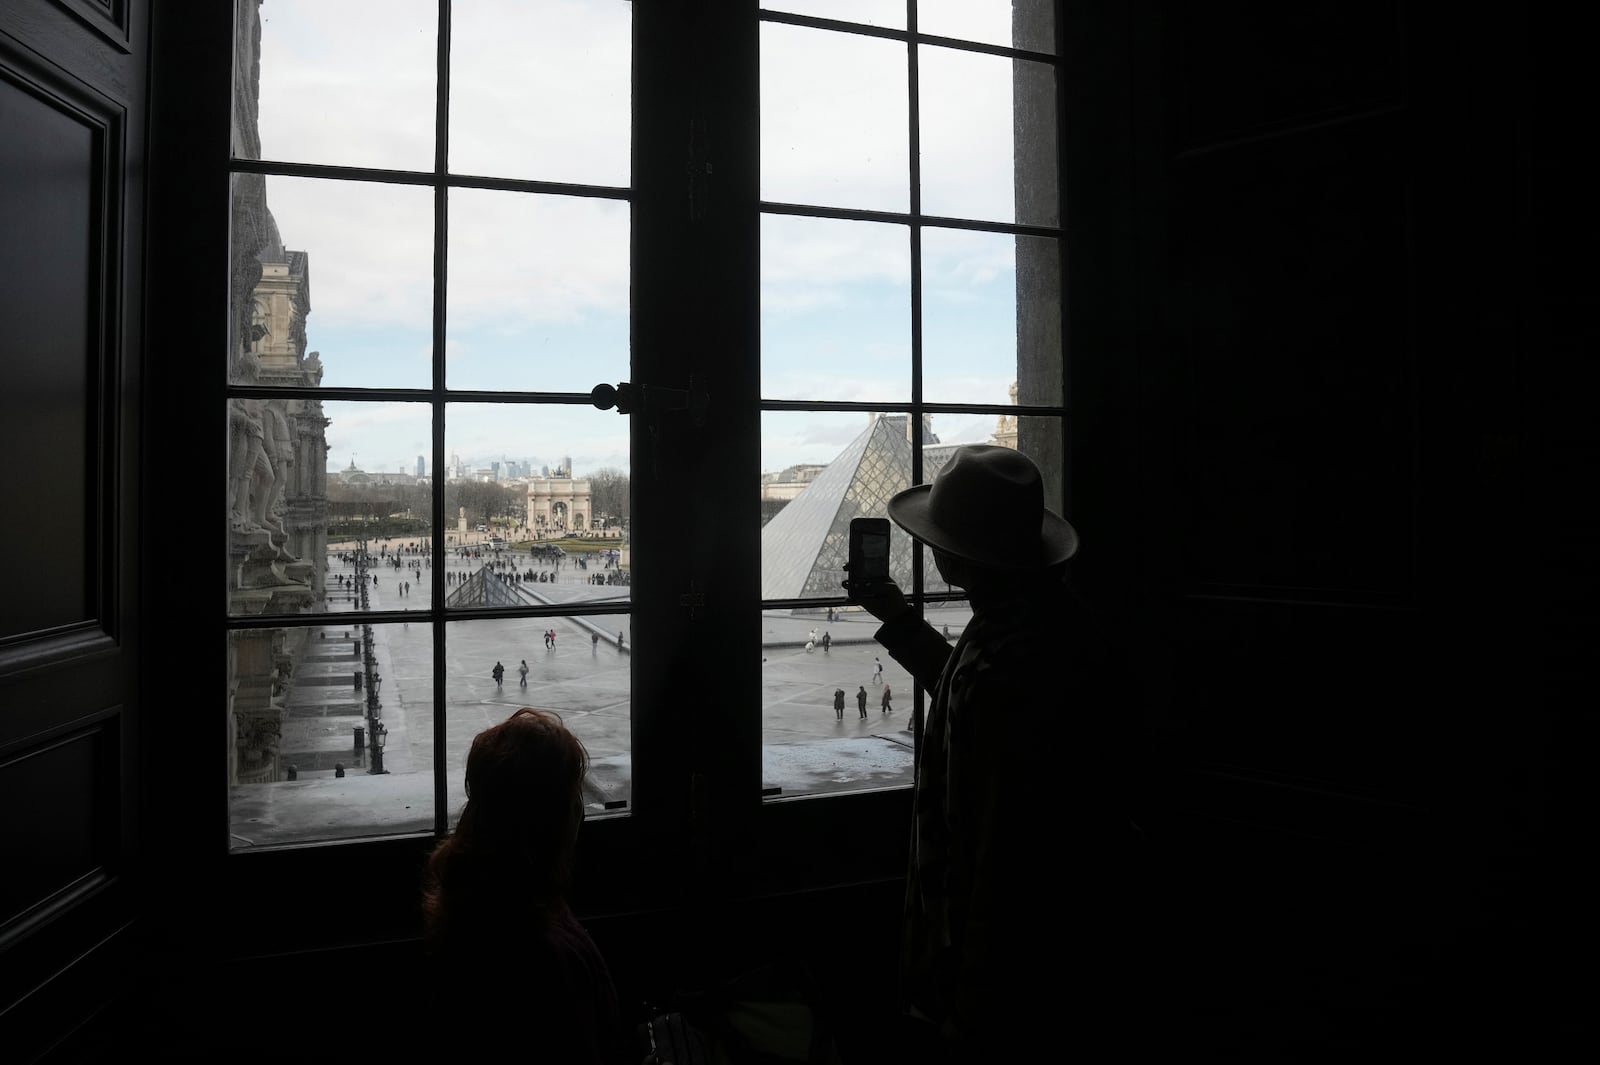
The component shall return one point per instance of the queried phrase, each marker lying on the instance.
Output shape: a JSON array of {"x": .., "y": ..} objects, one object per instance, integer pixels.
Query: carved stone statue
[
  {"x": 246, "y": 449},
  {"x": 260, "y": 451},
  {"x": 259, "y": 448},
  {"x": 272, "y": 471}
]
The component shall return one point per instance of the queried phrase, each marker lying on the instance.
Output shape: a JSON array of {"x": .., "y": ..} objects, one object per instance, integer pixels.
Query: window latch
[{"x": 629, "y": 398}]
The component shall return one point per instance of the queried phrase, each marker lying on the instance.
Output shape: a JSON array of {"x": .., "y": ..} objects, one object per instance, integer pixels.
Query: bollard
[
  {"x": 360, "y": 738},
  {"x": 294, "y": 773}
]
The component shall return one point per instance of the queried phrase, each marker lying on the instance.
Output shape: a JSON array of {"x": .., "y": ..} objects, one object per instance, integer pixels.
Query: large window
[
  {"x": 432, "y": 206},
  {"x": 442, "y": 230},
  {"x": 910, "y": 271}
]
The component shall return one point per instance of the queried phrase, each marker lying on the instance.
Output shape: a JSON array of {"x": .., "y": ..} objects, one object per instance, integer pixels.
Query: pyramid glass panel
[
  {"x": 485, "y": 588},
  {"x": 805, "y": 545}
]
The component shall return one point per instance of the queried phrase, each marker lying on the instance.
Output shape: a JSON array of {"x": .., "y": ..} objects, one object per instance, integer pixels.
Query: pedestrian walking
[
  {"x": 826, "y": 640},
  {"x": 810, "y": 646},
  {"x": 886, "y": 697},
  {"x": 877, "y": 670},
  {"x": 838, "y": 703},
  {"x": 523, "y": 669},
  {"x": 498, "y": 672},
  {"x": 861, "y": 701},
  {"x": 594, "y": 641}
]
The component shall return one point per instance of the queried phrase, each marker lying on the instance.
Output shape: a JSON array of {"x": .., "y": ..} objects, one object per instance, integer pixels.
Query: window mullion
[{"x": 441, "y": 264}]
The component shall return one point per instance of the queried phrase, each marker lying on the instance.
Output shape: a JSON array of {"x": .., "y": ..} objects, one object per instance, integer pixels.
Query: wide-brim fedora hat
[{"x": 987, "y": 506}]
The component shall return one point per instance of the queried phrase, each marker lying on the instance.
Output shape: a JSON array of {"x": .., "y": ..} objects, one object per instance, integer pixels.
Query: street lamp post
[
  {"x": 380, "y": 737},
  {"x": 376, "y": 732}
]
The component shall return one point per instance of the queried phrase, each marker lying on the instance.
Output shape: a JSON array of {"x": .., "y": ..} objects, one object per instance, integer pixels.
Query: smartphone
[{"x": 869, "y": 553}]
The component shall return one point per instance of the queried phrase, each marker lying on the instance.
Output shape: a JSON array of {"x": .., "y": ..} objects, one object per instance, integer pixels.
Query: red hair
[{"x": 514, "y": 842}]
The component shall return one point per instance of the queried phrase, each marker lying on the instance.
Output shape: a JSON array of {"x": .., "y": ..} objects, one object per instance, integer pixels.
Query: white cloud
[
  {"x": 541, "y": 90},
  {"x": 341, "y": 86},
  {"x": 833, "y": 119},
  {"x": 517, "y": 259},
  {"x": 964, "y": 429},
  {"x": 964, "y": 102},
  {"x": 370, "y": 249}
]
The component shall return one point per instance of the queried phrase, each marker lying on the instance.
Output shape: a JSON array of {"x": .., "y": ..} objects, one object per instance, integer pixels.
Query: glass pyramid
[
  {"x": 485, "y": 588},
  {"x": 805, "y": 545}
]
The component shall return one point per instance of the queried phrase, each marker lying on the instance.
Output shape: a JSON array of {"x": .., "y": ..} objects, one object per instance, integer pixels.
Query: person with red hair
[{"x": 500, "y": 936}]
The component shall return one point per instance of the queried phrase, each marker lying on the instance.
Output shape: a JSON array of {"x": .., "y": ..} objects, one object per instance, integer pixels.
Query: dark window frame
[{"x": 744, "y": 844}]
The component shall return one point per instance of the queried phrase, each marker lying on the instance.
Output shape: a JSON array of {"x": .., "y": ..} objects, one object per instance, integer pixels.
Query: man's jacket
[{"x": 1017, "y": 817}]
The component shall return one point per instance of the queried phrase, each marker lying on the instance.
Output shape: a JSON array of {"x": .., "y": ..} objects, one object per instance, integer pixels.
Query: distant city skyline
[{"x": 821, "y": 443}]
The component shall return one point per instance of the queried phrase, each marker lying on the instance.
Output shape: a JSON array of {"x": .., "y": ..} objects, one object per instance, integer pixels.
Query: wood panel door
[{"x": 72, "y": 99}]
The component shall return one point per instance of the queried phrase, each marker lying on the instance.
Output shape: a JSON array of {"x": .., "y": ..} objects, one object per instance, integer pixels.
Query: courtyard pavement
[{"x": 807, "y": 749}]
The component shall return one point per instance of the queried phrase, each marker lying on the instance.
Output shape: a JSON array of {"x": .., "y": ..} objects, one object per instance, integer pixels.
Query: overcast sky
[{"x": 538, "y": 286}]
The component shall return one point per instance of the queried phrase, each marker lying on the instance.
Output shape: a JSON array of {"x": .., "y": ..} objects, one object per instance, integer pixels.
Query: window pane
[
  {"x": 811, "y": 747},
  {"x": 304, "y": 705},
  {"x": 835, "y": 309},
  {"x": 379, "y": 497},
  {"x": 1042, "y": 438},
  {"x": 969, "y": 124},
  {"x": 343, "y": 84},
  {"x": 541, "y": 91},
  {"x": 837, "y": 140},
  {"x": 890, "y": 14},
  {"x": 331, "y": 283},
  {"x": 288, "y": 512},
  {"x": 820, "y": 470},
  {"x": 1028, "y": 24},
  {"x": 537, "y": 499},
  {"x": 990, "y": 316},
  {"x": 823, "y": 468},
  {"x": 583, "y": 675},
  {"x": 538, "y": 292}
]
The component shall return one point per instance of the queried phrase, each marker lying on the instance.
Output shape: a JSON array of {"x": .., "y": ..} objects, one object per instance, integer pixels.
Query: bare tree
[
  {"x": 484, "y": 500},
  {"x": 609, "y": 494}
]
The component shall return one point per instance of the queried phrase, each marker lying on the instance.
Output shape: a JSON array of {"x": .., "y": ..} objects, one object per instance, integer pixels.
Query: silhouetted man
[{"x": 1015, "y": 764}]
